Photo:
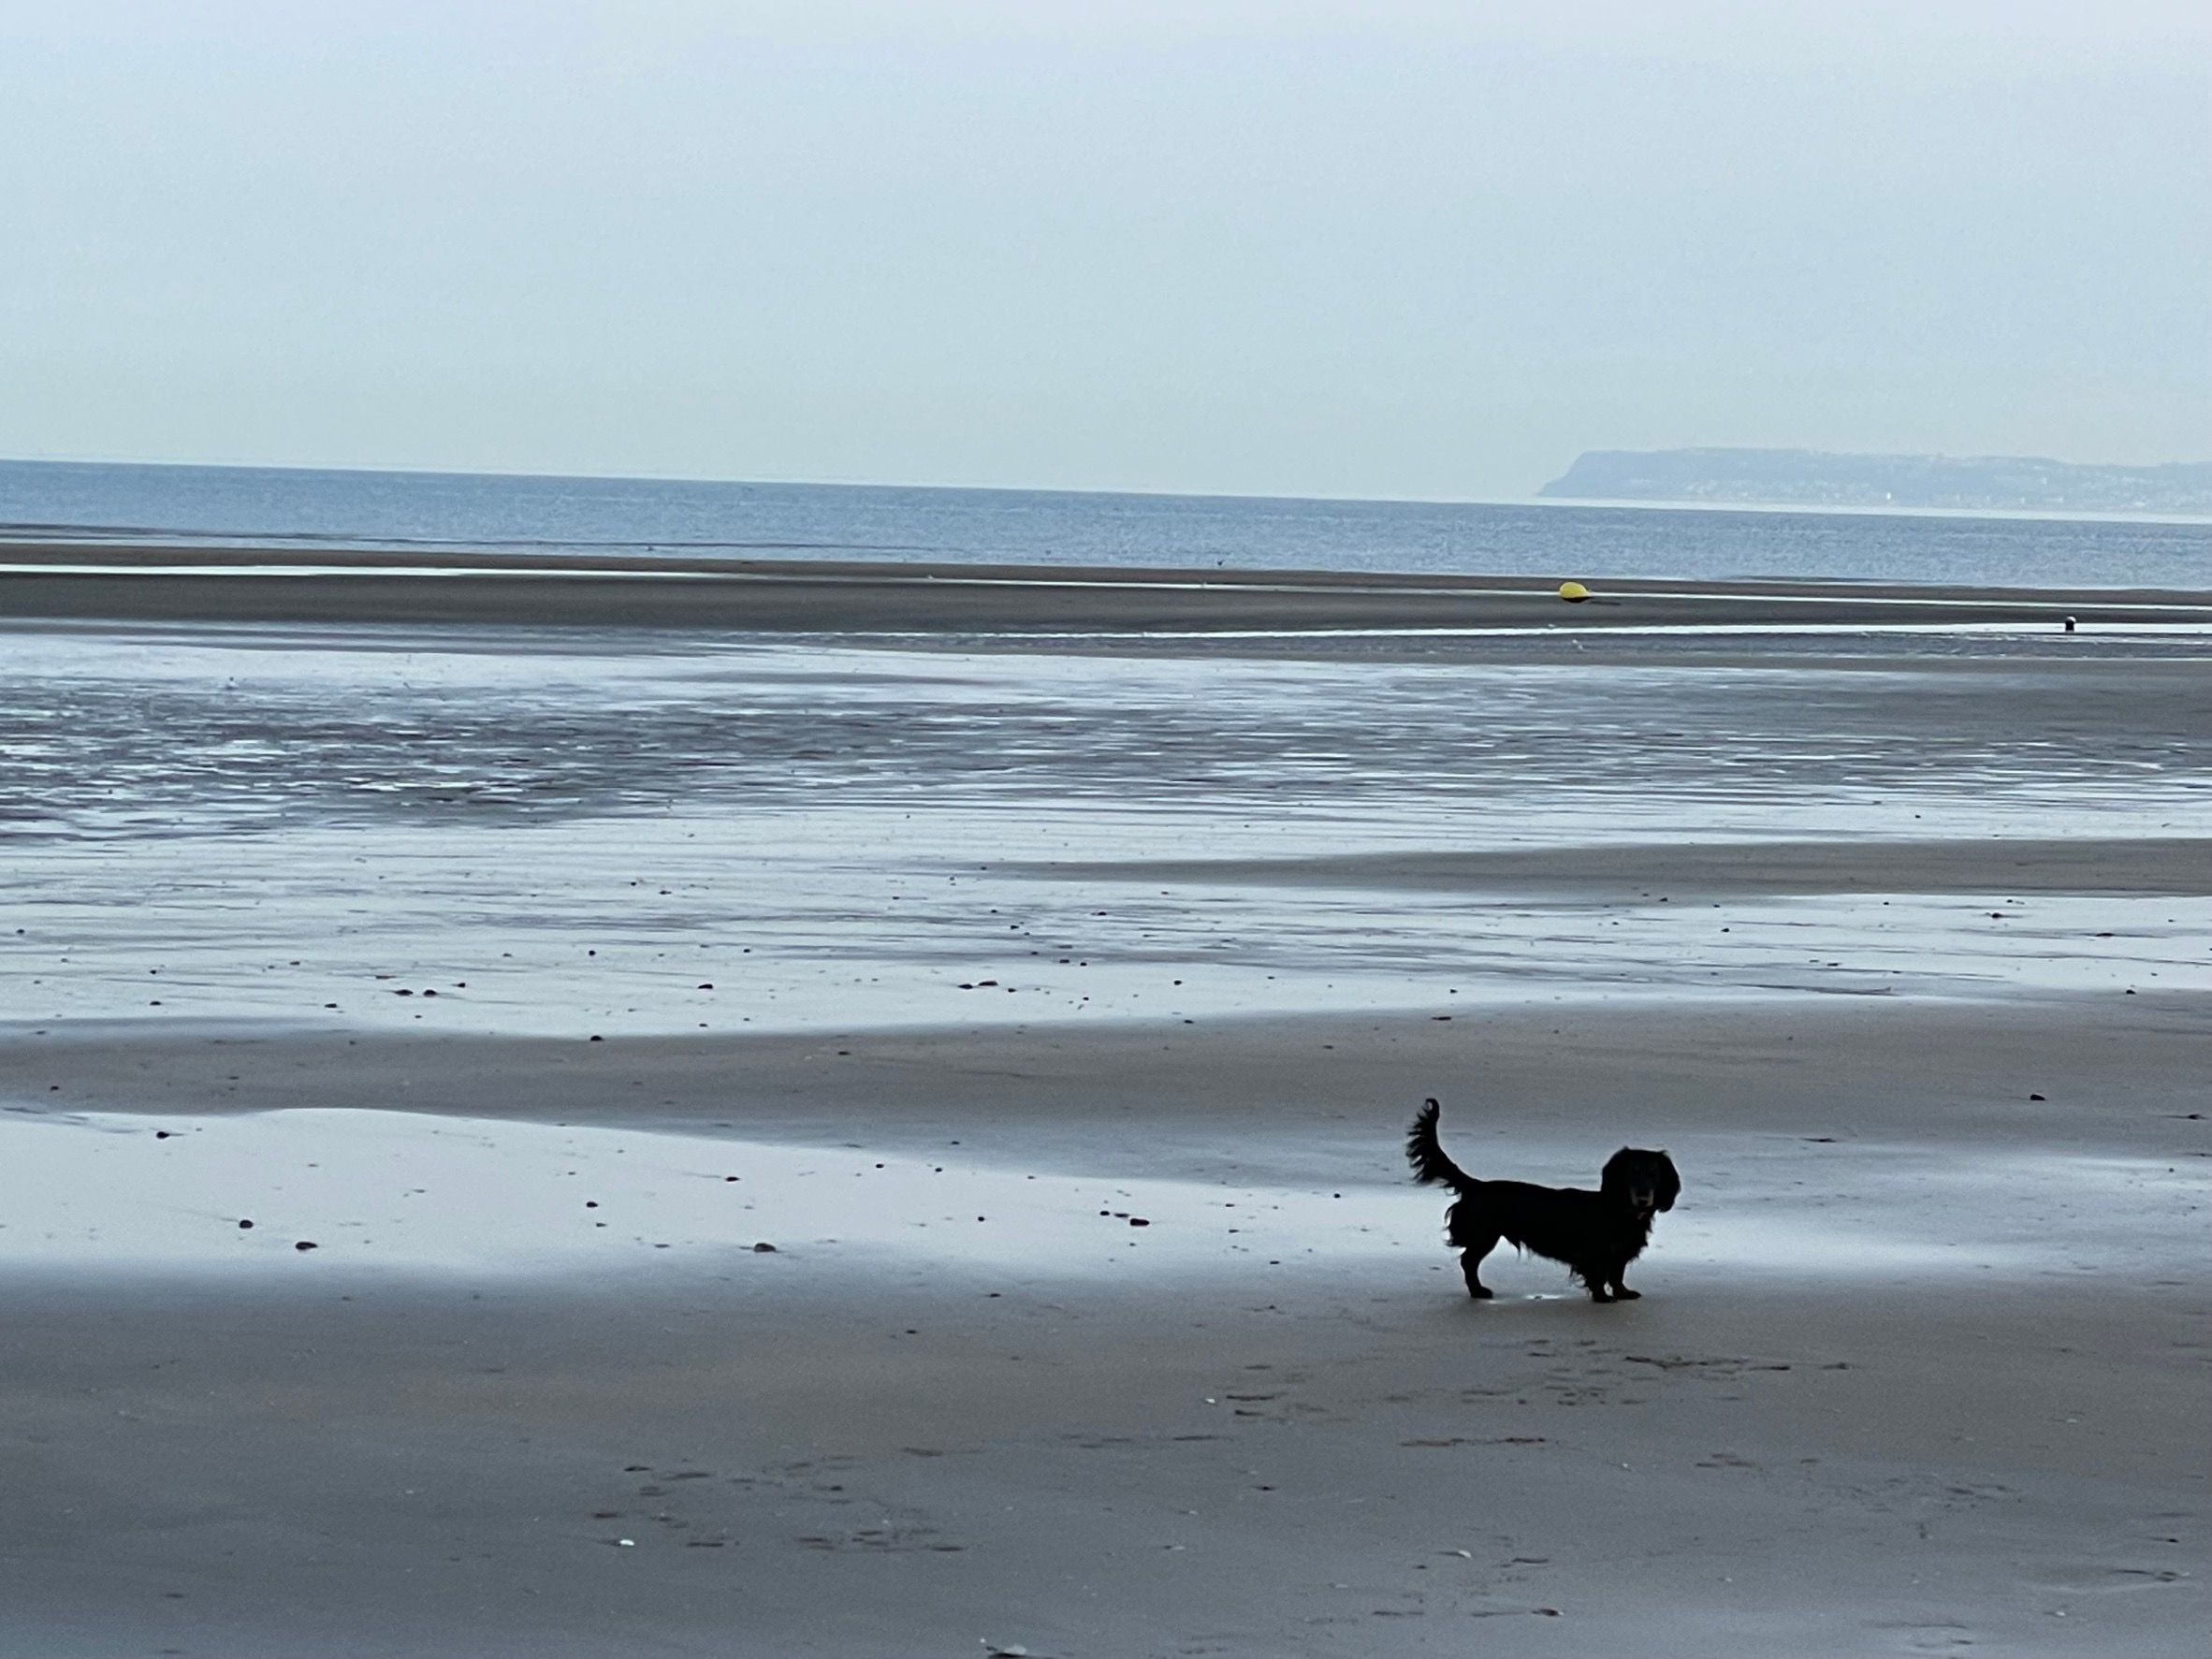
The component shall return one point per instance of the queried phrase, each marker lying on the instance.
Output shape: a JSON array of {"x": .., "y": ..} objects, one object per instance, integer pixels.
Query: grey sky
[{"x": 1363, "y": 249}]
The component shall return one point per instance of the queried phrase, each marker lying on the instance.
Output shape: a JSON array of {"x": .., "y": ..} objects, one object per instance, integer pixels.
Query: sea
[{"x": 311, "y": 509}]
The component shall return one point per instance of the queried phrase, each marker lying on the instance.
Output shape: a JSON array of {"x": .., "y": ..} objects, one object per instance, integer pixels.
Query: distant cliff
[{"x": 1814, "y": 478}]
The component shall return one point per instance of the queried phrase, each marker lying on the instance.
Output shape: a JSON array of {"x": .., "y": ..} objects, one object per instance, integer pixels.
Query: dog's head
[{"x": 1646, "y": 1180}]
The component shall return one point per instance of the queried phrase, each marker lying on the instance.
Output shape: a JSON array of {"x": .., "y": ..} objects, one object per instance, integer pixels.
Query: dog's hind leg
[{"x": 1471, "y": 1266}]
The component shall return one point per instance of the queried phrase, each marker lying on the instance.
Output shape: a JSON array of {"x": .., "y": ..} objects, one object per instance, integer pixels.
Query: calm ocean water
[{"x": 619, "y": 516}]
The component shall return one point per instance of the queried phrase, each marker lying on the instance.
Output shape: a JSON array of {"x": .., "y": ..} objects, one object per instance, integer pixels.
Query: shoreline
[{"x": 56, "y": 581}]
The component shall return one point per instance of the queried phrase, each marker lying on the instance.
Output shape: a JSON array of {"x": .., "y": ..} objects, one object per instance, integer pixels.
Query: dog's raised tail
[{"x": 1426, "y": 1153}]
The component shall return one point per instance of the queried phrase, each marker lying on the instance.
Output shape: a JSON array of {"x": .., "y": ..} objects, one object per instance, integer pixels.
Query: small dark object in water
[
  {"x": 305, "y": 1244},
  {"x": 763, "y": 1248},
  {"x": 243, "y": 1225}
]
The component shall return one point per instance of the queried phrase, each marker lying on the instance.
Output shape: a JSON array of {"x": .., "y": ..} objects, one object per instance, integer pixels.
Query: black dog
[{"x": 1598, "y": 1234}]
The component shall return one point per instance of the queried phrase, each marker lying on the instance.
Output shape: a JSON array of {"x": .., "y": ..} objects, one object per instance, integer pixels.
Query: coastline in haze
[{"x": 1818, "y": 478}]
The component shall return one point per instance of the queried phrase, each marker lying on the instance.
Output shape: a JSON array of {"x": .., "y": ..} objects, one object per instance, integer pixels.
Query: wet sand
[
  {"x": 1919, "y": 1363},
  {"x": 1902, "y": 958}
]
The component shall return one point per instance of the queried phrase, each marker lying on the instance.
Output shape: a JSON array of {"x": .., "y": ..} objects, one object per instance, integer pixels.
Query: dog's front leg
[{"x": 1471, "y": 1267}]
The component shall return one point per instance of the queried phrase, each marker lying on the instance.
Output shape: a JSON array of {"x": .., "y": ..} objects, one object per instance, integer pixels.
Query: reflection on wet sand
[{"x": 431, "y": 831}]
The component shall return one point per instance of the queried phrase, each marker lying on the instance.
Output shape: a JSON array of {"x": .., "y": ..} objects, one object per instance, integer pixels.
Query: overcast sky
[{"x": 1367, "y": 248}]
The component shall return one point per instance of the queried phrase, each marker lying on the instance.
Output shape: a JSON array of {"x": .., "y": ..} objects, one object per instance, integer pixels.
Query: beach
[{"x": 1044, "y": 967}]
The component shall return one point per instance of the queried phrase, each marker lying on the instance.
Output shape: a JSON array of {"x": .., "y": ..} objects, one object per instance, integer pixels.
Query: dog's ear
[{"x": 1670, "y": 1183}]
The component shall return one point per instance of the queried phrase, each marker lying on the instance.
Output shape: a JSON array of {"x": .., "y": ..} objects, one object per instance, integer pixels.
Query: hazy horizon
[{"x": 1388, "y": 252}]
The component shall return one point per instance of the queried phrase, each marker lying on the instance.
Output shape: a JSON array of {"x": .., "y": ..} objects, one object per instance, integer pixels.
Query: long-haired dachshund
[{"x": 1598, "y": 1234}]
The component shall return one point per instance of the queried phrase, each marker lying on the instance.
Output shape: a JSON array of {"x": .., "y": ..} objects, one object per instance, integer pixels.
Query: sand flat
[{"x": 1897, "y": 944}]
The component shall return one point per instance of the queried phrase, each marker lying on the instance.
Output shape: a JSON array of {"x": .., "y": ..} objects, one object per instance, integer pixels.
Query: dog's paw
[
  {"x": 1481, "y": 1292},
  {"x": 1625, "y": 1294}
]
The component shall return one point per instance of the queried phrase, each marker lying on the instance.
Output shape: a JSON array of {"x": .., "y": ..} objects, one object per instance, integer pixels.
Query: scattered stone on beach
[
  {"x": 763, "y": 1248},
  {"x": 305, "y": 1244},
  {"x": 245, "y": 1225},
  {"x": 1134, "y": 1221}
]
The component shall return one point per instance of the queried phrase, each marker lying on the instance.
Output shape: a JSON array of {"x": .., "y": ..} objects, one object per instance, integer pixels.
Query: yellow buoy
[{"x": 1573, "y": 592}]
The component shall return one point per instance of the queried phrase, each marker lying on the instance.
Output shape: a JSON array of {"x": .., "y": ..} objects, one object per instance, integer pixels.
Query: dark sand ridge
[
  {"x": 138, "y": 583},
  {"x": 2177, "y": 865},
  {"x": 883, "y": 1457},
  {"x": 1319, "y": 1096}
]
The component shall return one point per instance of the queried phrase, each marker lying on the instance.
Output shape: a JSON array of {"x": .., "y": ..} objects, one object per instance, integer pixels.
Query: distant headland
[{"x": 1816, "y": 478}]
